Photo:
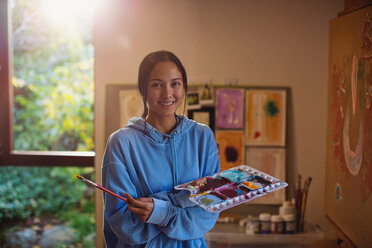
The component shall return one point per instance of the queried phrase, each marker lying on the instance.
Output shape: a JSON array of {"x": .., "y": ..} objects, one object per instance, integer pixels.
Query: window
[{"x": 46, "y": 83}]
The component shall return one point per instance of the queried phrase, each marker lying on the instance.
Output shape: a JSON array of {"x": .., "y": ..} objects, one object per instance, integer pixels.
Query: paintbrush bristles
[{"x": 86, "y": 180}]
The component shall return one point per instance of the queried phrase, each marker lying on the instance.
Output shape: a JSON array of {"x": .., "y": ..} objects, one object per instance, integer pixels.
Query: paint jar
[
  {"x": 287, "y": 208},
  {"x": 256, "y": 225},
  {"x": 289, "y": 224},
  {"x": 276, "y": 224},
  {"x": 253, "y": 225},
  {"x": 264, "y": 219}
]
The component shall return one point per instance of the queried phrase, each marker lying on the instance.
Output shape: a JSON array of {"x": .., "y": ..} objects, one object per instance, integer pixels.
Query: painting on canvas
[
  {"x": 231, "y": 148},
  {"x": 272, "y": 162},
  {"x": 229, "y": 108},
  {"x": 348, "y": 174},
  {"x": 130, "y": 105},
  {"x": 265, "y": 117}
]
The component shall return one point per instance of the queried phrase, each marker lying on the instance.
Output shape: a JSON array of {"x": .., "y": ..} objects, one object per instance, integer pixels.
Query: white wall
[{"x": 262, "y": 42}]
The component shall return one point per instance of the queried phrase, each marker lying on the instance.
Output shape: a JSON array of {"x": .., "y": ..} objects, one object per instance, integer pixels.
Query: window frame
[{"x": 9, "y": 156}]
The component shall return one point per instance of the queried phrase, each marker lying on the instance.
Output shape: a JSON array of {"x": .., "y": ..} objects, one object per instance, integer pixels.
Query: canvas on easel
[{"x": 348, "y": 184}]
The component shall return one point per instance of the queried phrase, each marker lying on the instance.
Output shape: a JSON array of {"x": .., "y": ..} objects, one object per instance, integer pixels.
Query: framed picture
[
  {"x": 229, "y": 108},
  {"x": 272, "y": 162},
  {"x": 206, "y": 94},
  {"x": 122, "y": 103},
  {"x": 231, "y": 148},
  {"x": 265, "y": 123},
  {"x": 193, "y": 100},
  {"x": 203, "y": 115}
]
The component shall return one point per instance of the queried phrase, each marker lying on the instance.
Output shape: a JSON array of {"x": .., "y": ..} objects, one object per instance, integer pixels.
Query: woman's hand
[{"x": 142, "y": 206}]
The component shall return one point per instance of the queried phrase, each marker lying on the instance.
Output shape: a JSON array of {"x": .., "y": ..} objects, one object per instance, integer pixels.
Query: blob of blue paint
[{"x": 338, "y": 192}]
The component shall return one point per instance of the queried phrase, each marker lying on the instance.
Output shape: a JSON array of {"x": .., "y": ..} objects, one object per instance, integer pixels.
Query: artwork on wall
[
  {"x": 231, "y": 148},
  {"x": 206, "y": 94},
  {"x": 265, "y": 123},
  {"x": 122, "y": 103},
  {"x": 193, "y": 99},
  {"x": 272, "y": 162},
  {"x": 130, "y": 105},
  {"x": 203, "y": 115},
  {"x": 229, "y": 108},
  {"x": 348, "y": 188}
]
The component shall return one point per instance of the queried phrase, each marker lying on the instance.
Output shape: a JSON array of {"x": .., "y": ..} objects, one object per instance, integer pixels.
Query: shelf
[{"x": 233, "y": 234}]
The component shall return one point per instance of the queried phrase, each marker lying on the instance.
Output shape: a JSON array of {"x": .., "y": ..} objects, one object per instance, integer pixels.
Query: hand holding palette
[{"x": 231, "y": 187}]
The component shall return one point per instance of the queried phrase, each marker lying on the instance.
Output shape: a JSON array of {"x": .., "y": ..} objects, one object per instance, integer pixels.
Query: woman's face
[{"x": 164, "y": 90}]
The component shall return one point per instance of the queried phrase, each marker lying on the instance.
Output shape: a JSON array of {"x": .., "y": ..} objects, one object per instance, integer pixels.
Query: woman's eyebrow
[
  {"x": 176, "y": 79},
  {"x": 156, "y": 79}
]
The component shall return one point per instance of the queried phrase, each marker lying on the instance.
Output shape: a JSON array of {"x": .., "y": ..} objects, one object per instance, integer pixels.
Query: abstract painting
[
  {"x": 272, "y": 162},
  {"x": 122, "y": 103},
  {"x": 348, "y": 184},
  {"x": 231, "y": 148},
  {"x": 265, "y": 117},
  {"x": 130, "y": 105},
  {"x": 229, "y": 108}
]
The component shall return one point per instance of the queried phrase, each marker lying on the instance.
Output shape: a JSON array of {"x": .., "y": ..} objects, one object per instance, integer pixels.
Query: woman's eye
[
  {"x": 176, "y": 83},
  {"x": 155, "y": 85}
]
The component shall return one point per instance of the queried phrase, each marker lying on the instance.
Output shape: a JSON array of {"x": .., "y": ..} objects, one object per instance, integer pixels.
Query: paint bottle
[
  {"x": 287, "y": 208},
  {"x": 289, "y": 224},
  {"x": 276, "y": 224},
  {"x": 265, "y": 219},
  {"x": 253, "y": 225},
  {"x": 256, "y": 225}
]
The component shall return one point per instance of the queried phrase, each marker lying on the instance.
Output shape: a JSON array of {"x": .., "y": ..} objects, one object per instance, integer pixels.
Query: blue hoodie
[{"x": 143, "y": 162}]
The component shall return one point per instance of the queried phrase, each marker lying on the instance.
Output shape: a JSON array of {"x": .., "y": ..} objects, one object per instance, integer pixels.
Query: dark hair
[{"x": 146, "y": 67}]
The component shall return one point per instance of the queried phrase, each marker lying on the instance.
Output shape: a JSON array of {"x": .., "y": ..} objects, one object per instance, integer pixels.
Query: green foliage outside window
[
  {"x": 29, "y": 192},
  {"x": 52, "y": 81}
]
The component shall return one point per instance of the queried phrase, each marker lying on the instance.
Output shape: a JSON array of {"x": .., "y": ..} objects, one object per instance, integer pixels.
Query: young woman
[{"x": 151, "y": 155}]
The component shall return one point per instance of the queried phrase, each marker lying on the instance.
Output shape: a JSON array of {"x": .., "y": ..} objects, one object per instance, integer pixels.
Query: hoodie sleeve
[
  {"x": 178, "y": 217},
  {"x": 117, "y": 218}
]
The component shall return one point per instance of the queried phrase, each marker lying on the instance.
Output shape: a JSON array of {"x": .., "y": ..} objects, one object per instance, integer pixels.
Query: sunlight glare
[{"x": 66, "y": 13}]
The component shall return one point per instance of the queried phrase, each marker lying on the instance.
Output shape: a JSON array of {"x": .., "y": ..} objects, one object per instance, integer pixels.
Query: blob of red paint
[{"x": 257, "y": 134}]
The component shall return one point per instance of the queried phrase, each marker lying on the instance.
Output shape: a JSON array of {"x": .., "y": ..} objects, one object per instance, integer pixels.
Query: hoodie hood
[{"x": 183, "y": 125}]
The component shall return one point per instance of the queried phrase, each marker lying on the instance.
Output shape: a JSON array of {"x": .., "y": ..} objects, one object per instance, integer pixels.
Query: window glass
[{"x": 52, "y": 74}]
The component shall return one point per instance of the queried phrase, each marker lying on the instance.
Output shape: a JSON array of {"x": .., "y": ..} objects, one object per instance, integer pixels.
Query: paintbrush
[
  {"x": 100, "y": 187},
  {"x": 298, "y": 192},
  {"x": 305, "y": 192},
  {"x": 298, "y": 195}
]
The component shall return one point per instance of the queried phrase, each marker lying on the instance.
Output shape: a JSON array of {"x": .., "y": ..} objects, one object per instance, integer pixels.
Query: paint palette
[{"x": 231, "y": 187}]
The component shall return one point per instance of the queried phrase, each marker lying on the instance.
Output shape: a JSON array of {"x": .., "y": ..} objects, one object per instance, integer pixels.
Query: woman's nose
[{"x": 167, "y": 90}]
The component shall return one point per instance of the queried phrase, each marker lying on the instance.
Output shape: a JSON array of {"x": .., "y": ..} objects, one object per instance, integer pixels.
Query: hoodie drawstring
[
  {"x": 175, "y": 166},
  {"x": 171, "y": 137}
]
